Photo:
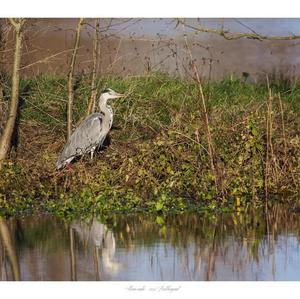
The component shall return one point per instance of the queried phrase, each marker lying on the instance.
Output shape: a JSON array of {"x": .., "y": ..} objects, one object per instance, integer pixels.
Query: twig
[
  {"x": 45, "y": 59},
  {"x": 234, "y": 36},
  {"x": 268, "y": 142},
  {"x": 71, "y": 79},
  {"x": 283, "y": 127},
  {"x": 191, "y": 139},
  {"x": 116, "y": 58},
  {"x": 206, "y": 119},
  {"x": 96, "y": 56}
]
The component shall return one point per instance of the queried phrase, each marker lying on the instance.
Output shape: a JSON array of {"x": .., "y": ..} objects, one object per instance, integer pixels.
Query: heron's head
[{"x": 108, "y": 94}]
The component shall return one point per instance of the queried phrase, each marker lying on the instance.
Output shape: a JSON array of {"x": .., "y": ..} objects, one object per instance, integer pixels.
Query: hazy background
[{"x": 140, "y": 46}]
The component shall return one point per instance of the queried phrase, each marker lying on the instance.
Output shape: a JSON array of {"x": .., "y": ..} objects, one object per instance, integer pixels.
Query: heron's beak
[{"x": 119, "y": 95}]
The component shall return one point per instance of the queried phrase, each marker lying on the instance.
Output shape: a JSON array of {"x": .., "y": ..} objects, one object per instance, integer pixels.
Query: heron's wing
[{"x": 86, "y": 136}]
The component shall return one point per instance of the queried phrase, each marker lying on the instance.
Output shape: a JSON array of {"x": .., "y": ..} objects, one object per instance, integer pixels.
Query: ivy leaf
[
  {"x": 159, "y": 206},
  {"x": 254, "y": 131},
  {"x": 259, "y": 146}
]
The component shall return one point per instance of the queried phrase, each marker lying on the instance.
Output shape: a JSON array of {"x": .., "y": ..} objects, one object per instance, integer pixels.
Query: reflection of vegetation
[
  {"x": 9, "y": 247},
  {"x": 190, "y": 227},
  {"x": 235, "y": 239},
  {"x": 43, "y": 232},
  {"x": 213, "y": 236},
  {"x": 72, "y": 255}
]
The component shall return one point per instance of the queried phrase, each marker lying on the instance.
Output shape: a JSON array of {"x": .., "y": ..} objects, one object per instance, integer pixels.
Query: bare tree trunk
[
  {"x": 2, "y": 108},
  {"x": 92, "y": 102},
  {"x": 71, "y": 80},
  {"x": 5, "y": 142}
]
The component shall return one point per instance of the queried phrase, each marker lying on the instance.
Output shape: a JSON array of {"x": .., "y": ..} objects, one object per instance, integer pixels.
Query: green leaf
[
  {"x": 160, "y": 220},
  {"x": 254, "y": 131},
  {"x": 159, "y": 206},
  {"x": 259, "y": 146}
]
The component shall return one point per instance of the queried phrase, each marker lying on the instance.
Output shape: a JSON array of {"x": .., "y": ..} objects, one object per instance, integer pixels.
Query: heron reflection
[{"x": 98, "y": 236}]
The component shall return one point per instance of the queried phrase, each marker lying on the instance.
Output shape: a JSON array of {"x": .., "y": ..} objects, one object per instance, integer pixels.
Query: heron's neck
[{"x": 104, "y": 108}]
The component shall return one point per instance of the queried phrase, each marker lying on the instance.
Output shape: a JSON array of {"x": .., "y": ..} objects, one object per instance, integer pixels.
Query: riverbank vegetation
[{"x": 158, "y": 159}]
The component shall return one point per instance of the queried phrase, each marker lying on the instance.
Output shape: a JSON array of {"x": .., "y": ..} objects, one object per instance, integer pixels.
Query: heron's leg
[
  {"x": 92, "y": 152},
  {"x": 69, "y": 168}
]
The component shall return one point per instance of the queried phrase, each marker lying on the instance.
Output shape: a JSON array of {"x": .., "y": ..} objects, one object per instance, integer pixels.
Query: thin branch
[
  {"x": 46, "y": 59},
  {"x": 247, "y": 27},
  {"x": 13, "y": 22},
  {"x": 237, "y": 35},
  {"x": 96, "y": 54},
  {"x": 71, "y": 79},
  {"x": 210, "y": 146}
]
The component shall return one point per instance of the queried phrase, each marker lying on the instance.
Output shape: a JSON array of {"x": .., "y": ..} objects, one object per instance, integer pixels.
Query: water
[
  {"x": 189, "y": 247},
  {"x": 133, "y": 47}
]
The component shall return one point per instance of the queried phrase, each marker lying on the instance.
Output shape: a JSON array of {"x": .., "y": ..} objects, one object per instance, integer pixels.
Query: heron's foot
[{"x": 67, "y": 169}]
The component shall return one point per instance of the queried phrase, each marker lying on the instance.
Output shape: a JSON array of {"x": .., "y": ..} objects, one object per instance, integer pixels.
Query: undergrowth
[{"x": 157, "y": 160}]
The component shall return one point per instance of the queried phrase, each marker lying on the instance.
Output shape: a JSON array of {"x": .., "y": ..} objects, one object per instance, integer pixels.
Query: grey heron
[{"x": 91, "y": 133}]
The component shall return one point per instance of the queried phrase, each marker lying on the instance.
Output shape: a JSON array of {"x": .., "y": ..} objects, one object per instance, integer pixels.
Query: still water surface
[{"x": 190, "y": 247}]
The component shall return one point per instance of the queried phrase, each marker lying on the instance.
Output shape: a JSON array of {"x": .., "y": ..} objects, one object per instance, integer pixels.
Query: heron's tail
[
  {"x": 62, "y": 161},
  {"x": 59, "y": 165}
]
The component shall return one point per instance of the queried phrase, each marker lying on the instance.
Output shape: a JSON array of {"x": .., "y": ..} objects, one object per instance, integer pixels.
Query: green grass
[
  {"x": 158, "y": 159},
  {"x": 161, "y": 96}
]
